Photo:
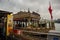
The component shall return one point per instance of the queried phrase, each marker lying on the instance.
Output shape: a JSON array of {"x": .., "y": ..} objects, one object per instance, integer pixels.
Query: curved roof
[
  {"x": 35, "y": 13},
  {"x": 25, "y": 14}
]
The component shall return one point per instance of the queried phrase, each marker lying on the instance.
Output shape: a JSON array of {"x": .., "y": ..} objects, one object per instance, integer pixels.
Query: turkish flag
[{"x": 50, "y": 10}]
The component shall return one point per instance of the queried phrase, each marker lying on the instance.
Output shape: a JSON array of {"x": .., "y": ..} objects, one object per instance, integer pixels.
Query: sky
[{"x": 39, "y": 6}]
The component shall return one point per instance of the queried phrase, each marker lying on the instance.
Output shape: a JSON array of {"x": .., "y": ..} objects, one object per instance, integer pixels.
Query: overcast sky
[{"x": 34, "y": 5}]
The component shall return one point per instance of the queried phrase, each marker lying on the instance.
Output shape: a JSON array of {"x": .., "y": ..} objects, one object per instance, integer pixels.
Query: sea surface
[{"x": 57, "y": 26}]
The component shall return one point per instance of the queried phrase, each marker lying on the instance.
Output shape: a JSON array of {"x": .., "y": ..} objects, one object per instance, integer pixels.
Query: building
[
  {"x": 26, "y": 19},
  {"x": 6, "y": 24}
]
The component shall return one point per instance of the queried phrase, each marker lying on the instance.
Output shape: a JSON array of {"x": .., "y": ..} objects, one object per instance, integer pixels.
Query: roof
[
  {"x": 1, "y": 11},
  {"x": 4, "y": 13},
  {"x": 35, "y": 13},
  {"x": 25, "y": 14}
]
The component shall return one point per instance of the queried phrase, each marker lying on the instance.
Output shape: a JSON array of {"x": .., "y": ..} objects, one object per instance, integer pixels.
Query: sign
[{"x": 9, "y": 23}]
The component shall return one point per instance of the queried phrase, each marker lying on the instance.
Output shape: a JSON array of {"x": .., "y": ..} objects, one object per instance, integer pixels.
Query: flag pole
[{"x": 50, "y": 11}]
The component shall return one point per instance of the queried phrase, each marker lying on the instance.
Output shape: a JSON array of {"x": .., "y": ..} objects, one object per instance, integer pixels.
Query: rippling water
[{"x": 57, "y": 26}]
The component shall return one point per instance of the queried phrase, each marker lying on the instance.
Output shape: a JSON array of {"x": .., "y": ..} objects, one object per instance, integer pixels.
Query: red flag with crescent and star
[{"x": 50, "y": 10}]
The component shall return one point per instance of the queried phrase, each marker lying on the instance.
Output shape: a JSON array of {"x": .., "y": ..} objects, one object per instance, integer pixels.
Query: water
[{"x": 57, "y": 26}]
